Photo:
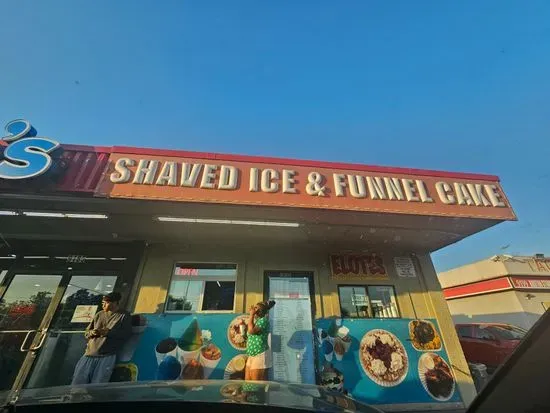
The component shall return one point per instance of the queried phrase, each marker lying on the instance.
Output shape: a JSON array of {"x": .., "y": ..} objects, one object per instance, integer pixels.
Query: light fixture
[
  {"x": 49, "y": 214},
  {"x": 44, "y": 214},
  {"x": 229, "y": 222},
  {"x": 109, "y": 285},
  {"x": 118, "y": 259},
  {"x": 95, "y": 258},
  {"x": 9, "y": 213},
  {"x": 37, "y": 285},
  {"x": 87, "y": 216},
  {"x": 36, "y": 257}
]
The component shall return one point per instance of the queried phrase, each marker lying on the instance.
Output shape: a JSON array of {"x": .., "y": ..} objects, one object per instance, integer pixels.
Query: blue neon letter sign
[{"x": 25, "y": 156}]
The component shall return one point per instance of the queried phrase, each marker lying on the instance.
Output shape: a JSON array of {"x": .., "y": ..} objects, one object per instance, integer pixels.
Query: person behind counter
[
  {"x": 257, "y": 346},
  {"x": 105, "y": 337}
]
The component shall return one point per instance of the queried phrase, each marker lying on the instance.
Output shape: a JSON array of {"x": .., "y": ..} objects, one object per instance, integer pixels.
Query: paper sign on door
[{"x": 84, "y": 313}]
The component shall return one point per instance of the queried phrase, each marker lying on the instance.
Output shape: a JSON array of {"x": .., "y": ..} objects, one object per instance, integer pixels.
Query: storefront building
[
  {"x": 501, "y": 289},
  {"x": 192, "y": 240}
]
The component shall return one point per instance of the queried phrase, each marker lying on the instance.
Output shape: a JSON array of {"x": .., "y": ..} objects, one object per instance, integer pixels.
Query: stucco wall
[
  {"x": 477, "y": 271},
  {"x": 500, "y": 307},
  {"x": 419, "y": 297}
]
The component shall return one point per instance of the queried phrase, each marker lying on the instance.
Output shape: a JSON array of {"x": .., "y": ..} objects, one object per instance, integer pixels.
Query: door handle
[
  {"x": 42, "y": 339},
  {"x": 22, "y": 348}
]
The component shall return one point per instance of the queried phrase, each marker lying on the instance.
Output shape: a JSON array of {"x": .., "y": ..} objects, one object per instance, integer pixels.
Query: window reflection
[{"x": 26, "y": 300}]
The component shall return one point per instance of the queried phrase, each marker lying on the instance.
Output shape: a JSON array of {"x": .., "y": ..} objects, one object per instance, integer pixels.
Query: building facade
[
  {"x": 193, "y": 240},
  {"x": 501, "y": 289}
]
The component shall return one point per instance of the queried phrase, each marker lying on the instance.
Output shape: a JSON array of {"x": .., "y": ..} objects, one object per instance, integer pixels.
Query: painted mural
[
  {"x": 385, "y": 361},
  {"x": 373, "y": 360}
]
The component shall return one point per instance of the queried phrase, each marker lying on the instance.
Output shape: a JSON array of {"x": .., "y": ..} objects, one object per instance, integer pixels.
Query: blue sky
[{"x": 459, "y": 86}]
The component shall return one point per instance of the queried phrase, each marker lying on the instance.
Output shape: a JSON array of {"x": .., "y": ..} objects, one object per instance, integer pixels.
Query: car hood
[{"x": 297, "y": 396}]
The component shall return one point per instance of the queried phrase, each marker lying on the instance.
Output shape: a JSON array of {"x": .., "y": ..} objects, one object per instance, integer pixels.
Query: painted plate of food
[
  {"x": 424, "y": 336},
  {"x": 436, "y": 376},
  {"x": 383, "y": 358},
  {"x": 236, "y": 332},
  {"x": 235, "y": 368}
]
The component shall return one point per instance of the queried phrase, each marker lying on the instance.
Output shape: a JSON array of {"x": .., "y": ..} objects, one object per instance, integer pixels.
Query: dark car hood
[{"x": 297, "y": 396}]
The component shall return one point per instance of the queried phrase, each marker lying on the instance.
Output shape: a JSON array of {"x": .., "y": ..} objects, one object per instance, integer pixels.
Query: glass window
[
  {"x": 85, "y": 291},
  {"x": 371, "y": 301},
  {"x": 464, "y": 331},
  {"x": 507, "y": 332},
  {"x": 354, "y": 302},
  {"x": 383, "y": 302},
  {"x": 202, "y": 287},
  {"x": 2, "y": 275},
  {"x": 26, "y": 301},
  {"x": 482, "y": 333}
]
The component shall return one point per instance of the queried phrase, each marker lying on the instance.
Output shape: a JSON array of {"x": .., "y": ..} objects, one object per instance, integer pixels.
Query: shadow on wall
[{"x": 521, "y": 319}]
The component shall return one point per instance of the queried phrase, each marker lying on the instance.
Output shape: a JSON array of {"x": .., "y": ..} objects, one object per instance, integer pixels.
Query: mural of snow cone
[
  {"x": 342, "y": 335},
  {"x": 169, "y": 369},
  {"x": 210, "y": 357},
  {"x": 124, "y": 372},
  {"x": 139, "y": 324},
  {"x": 190, "y": 343},
  {"x": 339, "y": 349},
  {"x": 332, "y": 378},
  {"x": 166, "y": 347},
  {"x": 332, "y": 330},
  {"x": 327, "y": 348}
]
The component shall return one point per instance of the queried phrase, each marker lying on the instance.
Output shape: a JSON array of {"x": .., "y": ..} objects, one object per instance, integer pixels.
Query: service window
[
  {"x": 368, "y": 301},
  {"x": 354, "y": 302},
  {"x": 199, "y": 287}
]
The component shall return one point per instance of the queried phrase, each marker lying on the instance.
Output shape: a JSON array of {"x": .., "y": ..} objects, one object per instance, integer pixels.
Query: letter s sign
[{"x": 26, "y": 156}]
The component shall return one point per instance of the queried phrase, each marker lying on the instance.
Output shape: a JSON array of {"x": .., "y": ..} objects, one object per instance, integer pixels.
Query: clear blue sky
[{"x": 452, "y": 85}]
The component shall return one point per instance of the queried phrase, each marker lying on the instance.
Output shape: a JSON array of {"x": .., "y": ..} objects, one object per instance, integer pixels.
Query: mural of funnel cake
[
  {"x": 235, "y": 368},
  {"x": 436, "y": 376},
  {"x": 236, "y": 332},
  {"x": 424, "y": 336},
  {"x": 190, "y": 343},
  {"x": 383, "y": 358}
]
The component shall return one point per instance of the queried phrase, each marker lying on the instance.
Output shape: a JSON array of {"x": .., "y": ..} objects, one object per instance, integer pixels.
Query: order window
[
  {"x": 202, "y": 287},
  {"x": 368, "y": 301}
]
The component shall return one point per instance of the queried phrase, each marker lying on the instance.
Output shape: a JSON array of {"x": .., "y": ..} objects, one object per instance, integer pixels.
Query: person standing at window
[
  {"x": 257, "y": 346},
  {"x": 105, "y": 337}
]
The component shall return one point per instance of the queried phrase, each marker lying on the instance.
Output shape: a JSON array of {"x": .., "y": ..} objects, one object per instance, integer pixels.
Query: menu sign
[
  {"x": 357, "y": 266},
  {"x": 292, "y": 332}
]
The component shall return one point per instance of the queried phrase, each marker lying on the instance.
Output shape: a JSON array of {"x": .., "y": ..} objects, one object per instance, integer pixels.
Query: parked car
[
  {"x": 519, "y": 385},
  {"x": 489, "y": 343}
]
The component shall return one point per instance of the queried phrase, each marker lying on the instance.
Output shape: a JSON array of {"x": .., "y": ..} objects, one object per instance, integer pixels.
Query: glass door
[
  {"x": 64, "y": 343},
  {"x": 23, "y": 306},
  {"x": 291, "y": 323}
]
